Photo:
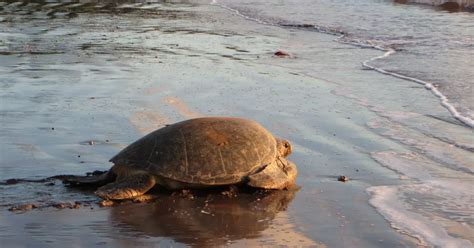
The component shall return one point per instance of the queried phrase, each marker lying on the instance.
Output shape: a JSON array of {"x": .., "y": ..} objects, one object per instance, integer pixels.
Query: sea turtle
[{"x": 197, "y": 153}]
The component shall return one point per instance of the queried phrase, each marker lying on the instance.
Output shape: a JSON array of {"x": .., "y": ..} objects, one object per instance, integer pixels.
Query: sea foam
[
  {"x": 444, "y": 100},
  {"x": 387, "y": 201},
  {"x": 434, "y": 206}
]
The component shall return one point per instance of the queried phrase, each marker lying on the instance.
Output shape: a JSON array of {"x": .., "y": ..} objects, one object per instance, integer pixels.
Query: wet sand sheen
[
  {"x": 181, "y": 107},
  {"x": 148, "y": 121},
  {"x": 283, "y": 234},
  {"x": 328, "y": 130}
]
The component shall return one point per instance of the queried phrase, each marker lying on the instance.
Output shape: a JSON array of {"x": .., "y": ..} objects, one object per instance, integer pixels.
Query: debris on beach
[
  {"x": 343, "y": 179},
  {"x": 106, "y": 203},
  {"x": 95, "y": 173},
  {"x": 57, "y": 205},
  {"x": 12, "y": 181},
  {"x": 231, "y": 192},
  {"x": 23, "y": 208},
  {"x": 63, "y": 205},
  {"x": 184, "y": 193},
  {"x": 281, "y": 53}
]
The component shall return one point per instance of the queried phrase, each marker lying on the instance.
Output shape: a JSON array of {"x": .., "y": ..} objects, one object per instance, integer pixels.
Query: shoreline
[
  {"x": 388, "y": 51},
  {"x": 429, "y": 86}
]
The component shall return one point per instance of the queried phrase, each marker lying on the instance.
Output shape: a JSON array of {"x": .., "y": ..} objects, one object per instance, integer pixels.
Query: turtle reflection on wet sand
[
  {"x": 209, "y": 220},
  {"x": 196, "y": 154}
]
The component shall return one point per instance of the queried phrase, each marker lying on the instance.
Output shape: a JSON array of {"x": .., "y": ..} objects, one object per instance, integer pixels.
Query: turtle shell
[{"x": 207, "y": 151}]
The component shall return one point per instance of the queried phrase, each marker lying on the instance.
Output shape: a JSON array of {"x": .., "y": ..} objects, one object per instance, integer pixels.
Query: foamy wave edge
[
  {"x": 388, "y": 51},
  {"x": 444, "y": 100},
  {"x": 386, "y": 201},
  {"x": 214, "y": 2}
]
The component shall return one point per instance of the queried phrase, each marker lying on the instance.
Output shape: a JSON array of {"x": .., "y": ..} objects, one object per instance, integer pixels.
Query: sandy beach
[{"x": 79, "y": 82}]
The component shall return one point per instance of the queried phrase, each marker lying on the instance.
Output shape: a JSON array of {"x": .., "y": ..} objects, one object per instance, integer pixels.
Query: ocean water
[
  {"x": 425, "y": 44},
  {"x": 361, "y": 95}
]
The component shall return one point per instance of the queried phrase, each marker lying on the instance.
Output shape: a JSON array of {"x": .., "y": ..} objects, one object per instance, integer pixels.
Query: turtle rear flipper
[
  {"x": 280, "y": 174},
  {"x": 90, "y": 180},
  {"x": 128, "y": 187}
]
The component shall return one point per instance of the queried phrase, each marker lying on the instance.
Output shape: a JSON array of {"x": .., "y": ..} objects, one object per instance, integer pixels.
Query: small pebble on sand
[
  {"x": 281, "y": 54},
  {"x": 59, "y": 205},
  {"x": 106, "y": 203},
  {"x": 343, "y": 178}
]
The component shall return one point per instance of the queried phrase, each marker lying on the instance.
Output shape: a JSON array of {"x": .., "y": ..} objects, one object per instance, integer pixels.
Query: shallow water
[
  {"x": 109, "y": 74},
  {"x": 432, "y": 45}
]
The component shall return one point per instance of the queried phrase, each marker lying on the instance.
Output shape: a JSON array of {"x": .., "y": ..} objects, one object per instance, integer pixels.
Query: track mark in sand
[
  {"x": 148, "y": 121},
  {"x": 153, "y": 90},
  {"x": 181, "y": 106}
]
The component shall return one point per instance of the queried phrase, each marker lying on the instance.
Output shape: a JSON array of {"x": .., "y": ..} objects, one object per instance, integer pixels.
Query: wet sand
[
  {"x": 447, "y": 4},
  {"x": 68, "y": 81}
]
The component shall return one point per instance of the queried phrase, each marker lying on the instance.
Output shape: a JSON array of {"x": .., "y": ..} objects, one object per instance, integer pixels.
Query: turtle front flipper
[
  {"x": 280, "y": 174},
  {"x": 128, "y": 187}
]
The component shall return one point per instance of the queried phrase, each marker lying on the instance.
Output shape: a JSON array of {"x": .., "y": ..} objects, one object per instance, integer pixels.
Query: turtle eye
[{"x": 287, "y": 144}]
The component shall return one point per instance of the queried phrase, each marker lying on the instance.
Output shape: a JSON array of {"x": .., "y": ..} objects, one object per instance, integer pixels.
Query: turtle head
[{"x": 283, "y": 147}]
